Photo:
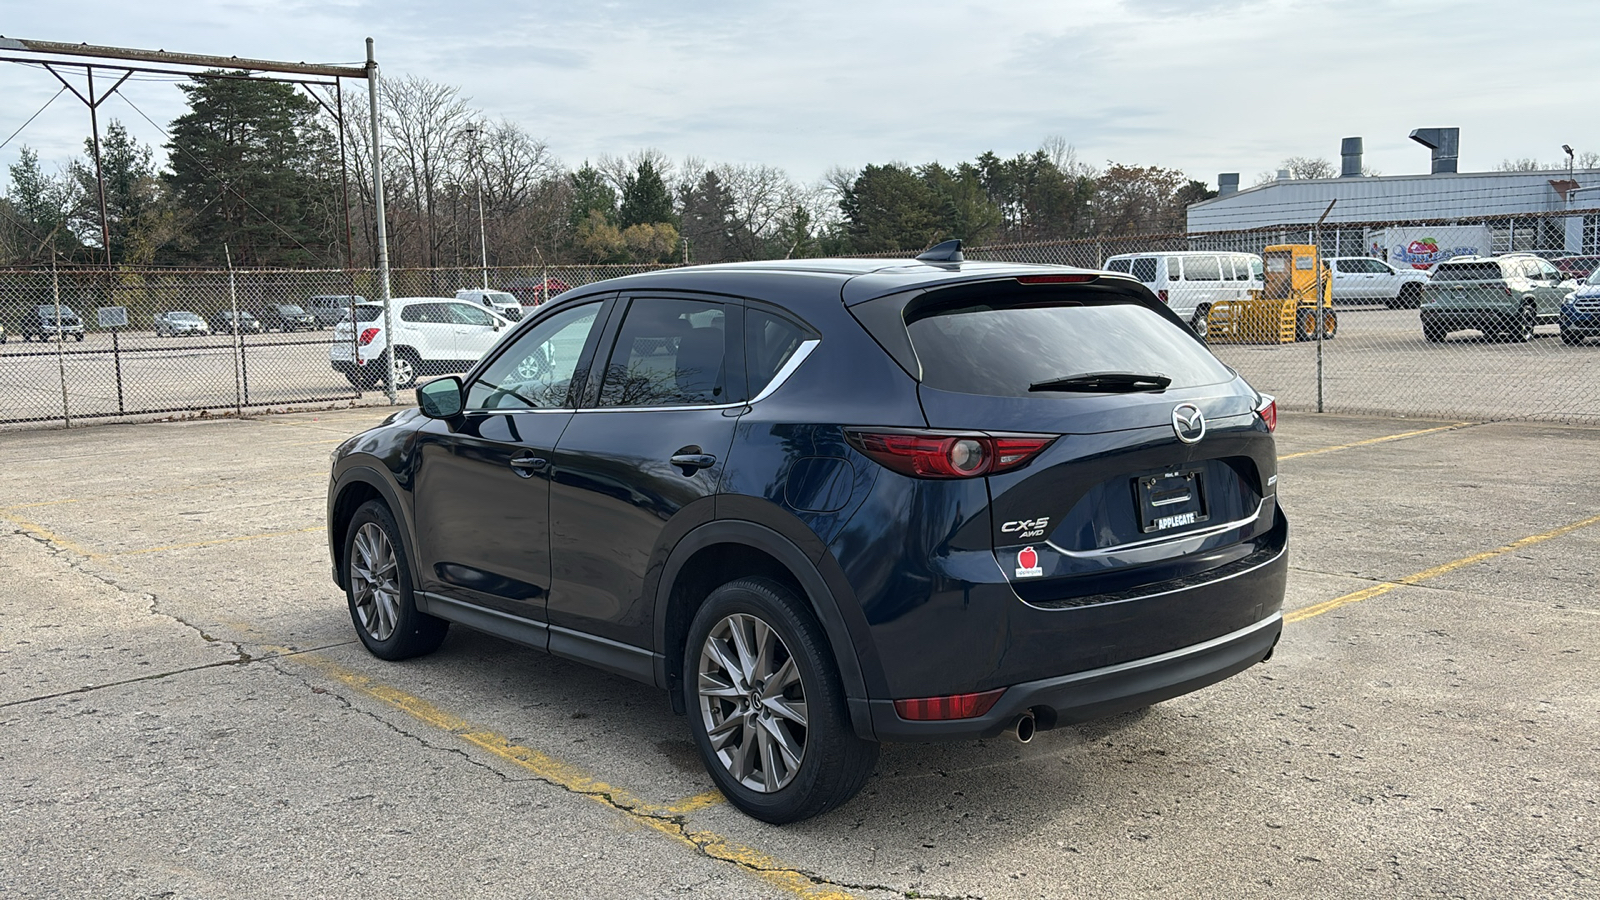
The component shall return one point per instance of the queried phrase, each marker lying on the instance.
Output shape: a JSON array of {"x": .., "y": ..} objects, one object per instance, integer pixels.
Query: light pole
[{"x": 472, "y": 132}]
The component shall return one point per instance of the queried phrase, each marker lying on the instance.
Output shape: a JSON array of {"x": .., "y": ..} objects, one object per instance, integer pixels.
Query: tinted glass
[
  {"x": 427, "y": 313},
  {"x": 668, "y": 353},
  {"x": 291, "y": 311},
  {"x": 538, "y": 369},
  {"x": 1477, "y": 271},
  {"x": 1202, "y": 268},
  {"x": 769, "y": 342},
  {"x": 1144, "y": 269},
  {"x": 999, "y": 352},
  {"x": 1594, "y": 277},
  {"x": 1117, "y": 265},
  {"x": 368, "y": 313}
]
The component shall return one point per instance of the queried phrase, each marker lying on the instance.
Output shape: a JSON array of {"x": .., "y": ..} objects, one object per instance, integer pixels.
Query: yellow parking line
[
  {"x": 666, "y": 820},
  {"x": 48, "y": 535},
  {"x": 226, "y": 540},
  {"x": 1376, "y": 440},
  {"x": 1378, "y": 590}
]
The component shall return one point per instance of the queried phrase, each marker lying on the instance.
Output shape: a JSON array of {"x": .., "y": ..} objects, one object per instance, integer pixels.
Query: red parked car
[{"x": 1576, "y": 268}]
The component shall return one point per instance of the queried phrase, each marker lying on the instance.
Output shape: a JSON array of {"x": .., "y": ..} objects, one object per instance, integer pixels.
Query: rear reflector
[
  {"x": 1055, "y": 279},
  {"x": 954, "y": 706},
  {"x": 933, "y": 454}
]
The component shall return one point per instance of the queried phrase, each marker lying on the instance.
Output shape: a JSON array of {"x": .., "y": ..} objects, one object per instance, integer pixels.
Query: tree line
[{"x": 258, "y": 173}]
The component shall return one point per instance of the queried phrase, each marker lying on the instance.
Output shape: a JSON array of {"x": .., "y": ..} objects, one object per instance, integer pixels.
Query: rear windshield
[
  {"x": 291, "y": 310},
  {"x": 1000, "y": 351},
  {"x": 1478, "y": 271},
  {"x": 368, "y": 312}
]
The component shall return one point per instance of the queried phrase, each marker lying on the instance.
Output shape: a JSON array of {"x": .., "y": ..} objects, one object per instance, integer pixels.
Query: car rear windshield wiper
[{"x": 1104, "y": 383}]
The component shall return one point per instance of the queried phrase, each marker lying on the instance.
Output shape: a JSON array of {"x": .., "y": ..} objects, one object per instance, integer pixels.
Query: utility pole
[
  {"x": 473, "y": 133},
  {"x": 383, "y": 230}
]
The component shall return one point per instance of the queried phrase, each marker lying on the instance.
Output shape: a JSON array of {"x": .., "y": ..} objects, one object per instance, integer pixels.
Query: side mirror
[{"x": 441, "y": 398}]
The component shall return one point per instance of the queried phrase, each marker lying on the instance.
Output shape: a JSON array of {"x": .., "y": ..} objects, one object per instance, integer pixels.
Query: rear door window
[
  {"x": 367, "y": 313},
  {"x": 668, "y": 352},
  {"x": 1144, "y": 269},
  {"x": 1000, "y": 349}
]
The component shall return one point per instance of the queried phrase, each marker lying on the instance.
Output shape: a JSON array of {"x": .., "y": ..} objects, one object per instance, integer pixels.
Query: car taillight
[
  {"x": 935, "y": 454},
  {"x": 953, "y": 706},
  {"x": 1268, "y": 411},
  {"x": 1162, "y": 296},
  {"x": 367, "y": 335}
]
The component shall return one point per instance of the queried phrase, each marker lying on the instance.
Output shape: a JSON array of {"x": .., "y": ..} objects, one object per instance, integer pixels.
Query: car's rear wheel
[
  {"x": 767, "y": 707},
  {"x": 1433, "y": 333},
  {"x": 406, "y": 368},
  {"x": 1201, "y": 323},
  {"x": 379, "y": 590},
  {"x": 1523, "y": 330}
]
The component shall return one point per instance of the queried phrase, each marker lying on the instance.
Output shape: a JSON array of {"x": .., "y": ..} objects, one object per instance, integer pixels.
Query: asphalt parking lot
[{"x": 184, "y": 710}]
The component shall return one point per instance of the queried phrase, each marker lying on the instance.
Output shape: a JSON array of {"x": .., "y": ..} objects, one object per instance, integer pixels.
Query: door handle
[
  {"x": 526, "y": 464},
  {"x": 693, "y": 462}
]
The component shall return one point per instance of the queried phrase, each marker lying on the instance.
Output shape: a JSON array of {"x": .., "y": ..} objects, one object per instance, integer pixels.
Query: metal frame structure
[{"x": 61, "y": 55}]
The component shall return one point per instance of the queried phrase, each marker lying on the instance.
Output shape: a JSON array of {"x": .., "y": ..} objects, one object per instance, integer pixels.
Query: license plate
[{"x": 1170, "y": 500}]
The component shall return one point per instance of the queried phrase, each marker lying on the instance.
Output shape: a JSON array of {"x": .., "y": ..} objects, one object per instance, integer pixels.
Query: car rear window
[
  {"x": 1000, "y": 349},
  {"x": 368, "y": 312},
  {"x": 1477, "y": 271}
]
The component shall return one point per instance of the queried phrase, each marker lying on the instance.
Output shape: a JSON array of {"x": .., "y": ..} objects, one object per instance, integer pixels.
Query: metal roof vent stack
[
  {"x": 1445, "y": 144},
  {"x": 1283, "y": 174},
  {"x": 1227, "y": 183},
  {"x": 1350, "y": 149}
]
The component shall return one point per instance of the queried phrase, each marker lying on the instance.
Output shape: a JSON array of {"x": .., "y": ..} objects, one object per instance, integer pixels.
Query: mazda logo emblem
[{"x": 1188, "y": 423}]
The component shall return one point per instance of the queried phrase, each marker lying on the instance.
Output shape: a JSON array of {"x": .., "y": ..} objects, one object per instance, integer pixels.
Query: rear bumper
[{"x": 1097, "y": 693}]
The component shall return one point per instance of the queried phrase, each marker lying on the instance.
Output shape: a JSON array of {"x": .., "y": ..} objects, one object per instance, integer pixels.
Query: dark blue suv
[{"x": 829, "y": 503}]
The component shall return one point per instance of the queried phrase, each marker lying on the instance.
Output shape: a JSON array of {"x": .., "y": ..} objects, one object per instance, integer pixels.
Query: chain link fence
[
  {"x": 195, "y": 341},
  {"x": 1366, "y": 352}
]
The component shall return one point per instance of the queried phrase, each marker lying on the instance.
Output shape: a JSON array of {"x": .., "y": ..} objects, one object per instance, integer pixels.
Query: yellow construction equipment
[{"x": 1285, "y": 309}]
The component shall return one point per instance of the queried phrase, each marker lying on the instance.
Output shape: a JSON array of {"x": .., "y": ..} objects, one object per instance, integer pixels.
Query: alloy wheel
[
  {"x": 752, "y": 703},
  {"x": 375, "y": 582}
]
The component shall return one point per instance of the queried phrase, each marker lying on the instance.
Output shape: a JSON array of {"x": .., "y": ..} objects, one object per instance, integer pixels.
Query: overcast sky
[{"x": 1206, "y": 86}]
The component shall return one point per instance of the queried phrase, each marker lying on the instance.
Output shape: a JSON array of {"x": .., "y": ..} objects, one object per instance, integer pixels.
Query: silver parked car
[{"x": 176, "y": 322}]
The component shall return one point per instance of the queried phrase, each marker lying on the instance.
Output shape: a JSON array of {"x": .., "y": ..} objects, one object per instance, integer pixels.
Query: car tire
[
  {"x": 1410, "y": 297},
  {"x": 378, "y": 589},
  {"x": 407, "y": 367},
  {"x": 1522, "y": 331},
  {"x": 747, "y": 636},
  {"x": 1570, "y": 338},
  {"x": 1434, "y": 334},
  {"x": 1201, "y": 323}
]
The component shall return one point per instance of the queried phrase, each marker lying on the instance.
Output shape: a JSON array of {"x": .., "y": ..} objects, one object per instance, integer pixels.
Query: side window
[
  {"x": 420, "y": 312},
  {"x": 1174, "y": 268},
  {"x": 1202, "y": 268},
  {"x": 668, "y": 353},
  {"x": 1144, "y": 269},
  {"x": 1117, "y": 265},
  {"x": 464, "y": 314},
  {"x": 538, "y": 369},
  {"x": 769, "y": 342},
  {"x": 1551, "y": 273},
  {"x": 1530, "y": 268}
]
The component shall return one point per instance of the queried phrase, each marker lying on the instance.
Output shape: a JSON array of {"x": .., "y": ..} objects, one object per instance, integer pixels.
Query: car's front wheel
[
  {"x": 378, "y": 588},
  {"x": 1522, "y": 330},
  {"x": 767, "y": 707}
]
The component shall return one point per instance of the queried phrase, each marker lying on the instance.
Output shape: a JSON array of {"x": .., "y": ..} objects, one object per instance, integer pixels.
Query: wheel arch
[
  {"x": 723, "y": 550},
  {"x": 353, "y": 488}
]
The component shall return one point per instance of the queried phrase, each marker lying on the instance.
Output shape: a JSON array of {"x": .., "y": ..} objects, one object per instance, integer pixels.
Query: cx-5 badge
[{"x": 1188, "y": 424}]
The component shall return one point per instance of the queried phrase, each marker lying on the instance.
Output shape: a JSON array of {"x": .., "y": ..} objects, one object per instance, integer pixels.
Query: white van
[
  {"x": 503, "y": 302},
  {"x": 1191, "y": 281}
]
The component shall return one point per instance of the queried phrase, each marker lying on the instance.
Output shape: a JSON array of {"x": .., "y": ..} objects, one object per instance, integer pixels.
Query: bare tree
[
  {"x": 618, "y": 169},
  {"x": 424, "y": 125}
]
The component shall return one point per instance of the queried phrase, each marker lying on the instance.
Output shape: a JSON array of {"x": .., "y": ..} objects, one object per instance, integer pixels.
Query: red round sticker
[{"x": 1027, "y": 559}]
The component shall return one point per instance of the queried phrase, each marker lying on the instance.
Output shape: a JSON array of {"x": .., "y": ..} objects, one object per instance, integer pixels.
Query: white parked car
[
  {"x": 1358, "y": 279},
  {"x": 432, "y": 335},
  {"x": 1190, "y": 282},
  {"x": 503, "y": 302}
]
